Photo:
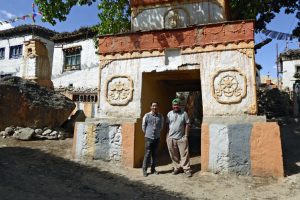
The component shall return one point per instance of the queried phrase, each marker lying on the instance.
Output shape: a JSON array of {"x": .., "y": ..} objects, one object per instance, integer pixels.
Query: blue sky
[{"x": 87, "y": 16}]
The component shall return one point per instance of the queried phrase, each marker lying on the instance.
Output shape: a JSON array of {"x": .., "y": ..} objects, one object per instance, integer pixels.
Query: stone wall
[
  {"x": 97, "y": 141},
  {"x": 245, "y": 146},
  {"x": 108, "y": 142}
]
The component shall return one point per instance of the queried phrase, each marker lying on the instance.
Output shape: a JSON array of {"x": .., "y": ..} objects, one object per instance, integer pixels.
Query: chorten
[{"x": 185, "y": 45}]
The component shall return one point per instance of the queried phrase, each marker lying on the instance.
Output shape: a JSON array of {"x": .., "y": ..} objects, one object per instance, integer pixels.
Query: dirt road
[{"x": 42, "y": 170}]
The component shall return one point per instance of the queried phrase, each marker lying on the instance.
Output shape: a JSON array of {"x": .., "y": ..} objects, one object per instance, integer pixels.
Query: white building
[
  {"x": 72, "y": 56},
  {"x": 75, "y": 68},
  {"x": 290, "y": 64},
  {"x": 12, "y": 47}
]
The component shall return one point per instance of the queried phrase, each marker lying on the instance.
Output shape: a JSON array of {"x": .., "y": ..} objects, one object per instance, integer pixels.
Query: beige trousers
[{"x": 179, "y": 152}]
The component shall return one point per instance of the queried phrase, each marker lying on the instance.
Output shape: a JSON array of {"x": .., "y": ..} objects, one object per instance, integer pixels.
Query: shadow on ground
[
  {"x": 290, "y": 137},
  {"x": 32, "y": 174}
]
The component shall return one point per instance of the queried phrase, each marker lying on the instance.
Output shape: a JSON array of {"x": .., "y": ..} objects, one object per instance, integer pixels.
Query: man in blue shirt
[
  {"x": 152, "y": 125},
  {"x": 177, "y": 139}
]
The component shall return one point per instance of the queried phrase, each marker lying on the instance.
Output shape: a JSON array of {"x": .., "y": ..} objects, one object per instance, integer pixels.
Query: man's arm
[
  {"x": 167, "y": 124},
  {"x": 187, "y": 130},
  {"x": 162, "y": 123},
  {"x": 187, "y": 124},
  {"x": 144, "y": 123}
]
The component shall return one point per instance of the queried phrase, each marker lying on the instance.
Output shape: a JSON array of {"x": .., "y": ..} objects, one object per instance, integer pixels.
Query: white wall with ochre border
[{"x": 208, "y": 63}]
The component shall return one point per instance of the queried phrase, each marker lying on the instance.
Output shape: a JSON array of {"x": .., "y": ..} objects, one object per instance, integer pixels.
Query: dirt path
[{"x": 38, "y": 170}]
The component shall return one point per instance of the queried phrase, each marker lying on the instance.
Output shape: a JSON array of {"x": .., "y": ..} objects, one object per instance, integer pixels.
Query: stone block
[
  {"x": 128, "y": 130},
  {"x": 204, "y": 147},
  {"x": 266, "y": 151},
  {"x": 229, "y": 148}
]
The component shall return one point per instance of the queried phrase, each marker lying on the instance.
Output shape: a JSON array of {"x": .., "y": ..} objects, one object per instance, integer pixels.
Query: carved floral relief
[
  {"x": 176, "y": 18},
  {"x": 119, "y": 90},
  {"x": 229, "y": 86}
]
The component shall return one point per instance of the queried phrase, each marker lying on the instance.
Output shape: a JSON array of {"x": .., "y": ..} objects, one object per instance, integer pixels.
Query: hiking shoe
[
  {"x": 188, "y": 173},
  {"x": 154, "y": 172},
  {"x": 145, "y": 174},
  {"x": 176, "y": 171}
]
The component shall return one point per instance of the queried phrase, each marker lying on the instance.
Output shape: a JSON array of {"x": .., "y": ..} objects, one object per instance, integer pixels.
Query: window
[
  {"x": 72, "y": 58},
  {"x": 5, "y": 75},
  {"x": 298, "y": 69},
  {"x": 15, "y": 51},
  {"x": 89, "y": 97},
  {"x": 2, "y": 53}
]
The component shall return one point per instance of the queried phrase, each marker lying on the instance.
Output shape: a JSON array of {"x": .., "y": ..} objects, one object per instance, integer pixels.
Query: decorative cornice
[
  {"x": 27, "y": 30},
  {"x": 197, "y": 36},
  {"x": 291, "y": 54},
  {"x": 247, "y": 52},
  {"x": 76, "y": 90},
  {"x": 208, "y": 48},
  {"x": 83, "y": 33}
]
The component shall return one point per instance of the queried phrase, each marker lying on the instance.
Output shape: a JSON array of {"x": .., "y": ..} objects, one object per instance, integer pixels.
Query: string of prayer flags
[
  {"x": 31, "y": 15},
  {"x": 278, "y": 35}
]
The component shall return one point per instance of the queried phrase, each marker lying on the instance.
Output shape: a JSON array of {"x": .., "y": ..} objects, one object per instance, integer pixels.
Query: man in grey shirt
[
  {"x": 177, "y": 139},
  {"x": 152, "y": 125}
]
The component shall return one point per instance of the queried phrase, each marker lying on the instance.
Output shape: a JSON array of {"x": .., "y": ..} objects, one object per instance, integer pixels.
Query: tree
[
  {"x": 114, "y": 15},
  {"x": 264, "y": 11}
]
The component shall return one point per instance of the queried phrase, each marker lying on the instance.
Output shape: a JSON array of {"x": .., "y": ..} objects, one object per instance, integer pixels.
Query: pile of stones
[
  {"x": 27, "y": 133},
  {"x": 273, "y": 103}
]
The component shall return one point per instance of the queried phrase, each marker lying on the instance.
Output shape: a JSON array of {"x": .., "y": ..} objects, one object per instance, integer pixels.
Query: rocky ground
[{"x": 42, "y": 169}]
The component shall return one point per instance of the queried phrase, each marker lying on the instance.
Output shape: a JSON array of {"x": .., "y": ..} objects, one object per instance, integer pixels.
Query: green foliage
[
  {"x": 114, "y": 15},
  {"x": 264, "y": 11},
  {"x": 58, "y": 9},
  {"x": 273, "y": 102}
]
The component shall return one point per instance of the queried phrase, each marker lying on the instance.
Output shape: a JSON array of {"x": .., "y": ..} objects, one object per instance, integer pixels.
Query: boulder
[
  {"x": 69, "y": 125},
  {"x": 9, "y": 130},
  {"x": 26, "y": 104},
  {"x": 24, "y": 134}
]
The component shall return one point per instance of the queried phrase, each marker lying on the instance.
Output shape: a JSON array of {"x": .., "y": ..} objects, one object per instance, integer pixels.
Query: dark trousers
[{"x": 151, "y": 148}]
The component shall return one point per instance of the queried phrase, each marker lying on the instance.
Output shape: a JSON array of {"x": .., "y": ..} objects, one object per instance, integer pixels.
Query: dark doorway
[{"x": 165, "y": 86}]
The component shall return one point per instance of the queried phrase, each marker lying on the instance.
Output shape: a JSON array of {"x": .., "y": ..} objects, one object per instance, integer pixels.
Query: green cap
[{"x": 176, "y": 101}]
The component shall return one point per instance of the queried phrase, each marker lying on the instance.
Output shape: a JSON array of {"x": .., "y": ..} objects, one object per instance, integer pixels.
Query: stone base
[
  {"x": 249, "y": 148},
  {"x": 109, "y": 139},
  {"x": 97, "y": 141}
]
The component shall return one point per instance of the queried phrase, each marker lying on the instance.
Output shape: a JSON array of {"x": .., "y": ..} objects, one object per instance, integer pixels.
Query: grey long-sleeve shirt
[{"x": 152, "y": 125}]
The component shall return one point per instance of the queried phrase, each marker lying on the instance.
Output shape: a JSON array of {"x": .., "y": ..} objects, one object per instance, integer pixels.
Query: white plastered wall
[
  {"x": 208, "y": 63},
  {"x": 289, "y": 69},
  {"x": 194, "y": 14},
  {"x": 14, "y": 66},
  {"x": 87, "y": 77}
]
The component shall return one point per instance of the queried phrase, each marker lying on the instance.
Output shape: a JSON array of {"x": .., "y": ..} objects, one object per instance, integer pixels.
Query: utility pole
[{"x": 277, "y": 66}]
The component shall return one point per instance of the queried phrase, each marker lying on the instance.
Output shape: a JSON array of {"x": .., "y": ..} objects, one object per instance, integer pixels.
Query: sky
[{"x": 87, "y": 16}]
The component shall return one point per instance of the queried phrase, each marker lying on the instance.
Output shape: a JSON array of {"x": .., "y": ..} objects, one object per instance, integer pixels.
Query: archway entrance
[{"x": 165, "y": 86}]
